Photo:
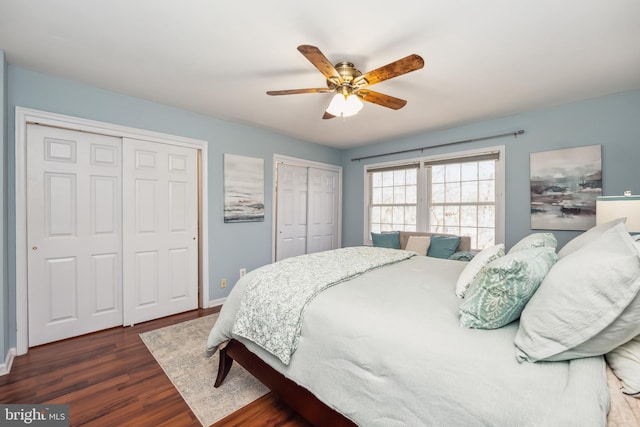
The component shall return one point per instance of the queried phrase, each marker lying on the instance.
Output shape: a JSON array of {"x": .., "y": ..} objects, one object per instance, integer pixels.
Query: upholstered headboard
[{"x": 464, "y": 245}]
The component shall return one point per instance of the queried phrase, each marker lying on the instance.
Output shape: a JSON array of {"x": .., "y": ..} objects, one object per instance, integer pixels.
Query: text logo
[{"x": 34, "y": 415}]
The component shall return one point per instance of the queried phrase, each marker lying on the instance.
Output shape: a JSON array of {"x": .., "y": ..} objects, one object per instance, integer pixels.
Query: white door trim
[
  {"x": 294, "y": 161},
  {"x": 25, "y": 116}
]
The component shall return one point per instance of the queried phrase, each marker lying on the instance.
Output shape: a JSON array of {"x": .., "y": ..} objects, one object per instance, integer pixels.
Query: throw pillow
[
  {"x": 587, "y": 303},
  {"x": 443, "y": 246},
  {"x": 418, "y": 244},
  {"x": 625, "y": 362},
  {"x": 587, "y": 237},
  {"x": 462, "y": 256},
  {"x": 503, "y": 287},
  {"x": 481, "y": 259},
  {"x": 535, "y": 240},
  {"x": 389, "y": 239}
]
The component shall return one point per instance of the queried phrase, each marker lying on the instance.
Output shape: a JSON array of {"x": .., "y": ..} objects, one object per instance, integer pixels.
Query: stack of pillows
[
  {"x": 434, "y": 246},
  {"x": 582, "y": 301}
]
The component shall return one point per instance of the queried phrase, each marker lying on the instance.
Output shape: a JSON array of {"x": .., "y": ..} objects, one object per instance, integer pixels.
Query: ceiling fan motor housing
[{"x": 348, "y": 73}]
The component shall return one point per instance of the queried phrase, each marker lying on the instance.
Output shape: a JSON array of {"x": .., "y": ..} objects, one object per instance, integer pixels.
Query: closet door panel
[
  {"x": 74, "y": 269},
  {"x": 160, "y": 246}
]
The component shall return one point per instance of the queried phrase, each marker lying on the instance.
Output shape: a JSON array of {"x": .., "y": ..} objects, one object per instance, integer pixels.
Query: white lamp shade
[
  {"x": 341, "y": 106},
  {"x": 609, "y": 208}
]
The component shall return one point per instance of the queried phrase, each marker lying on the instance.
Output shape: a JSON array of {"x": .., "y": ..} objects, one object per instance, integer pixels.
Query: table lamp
[{"x": 609, "y": 208}]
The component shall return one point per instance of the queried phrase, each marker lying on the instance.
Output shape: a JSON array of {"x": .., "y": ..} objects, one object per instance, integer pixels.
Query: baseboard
[
  {"x": 216, "y": 302},
  {"x": 5, "y": 367}
]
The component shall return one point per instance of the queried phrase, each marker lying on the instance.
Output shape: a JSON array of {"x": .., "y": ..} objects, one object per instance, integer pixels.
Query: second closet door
[
  {"x": 307, "y": 210},
  {"x": 322, "y": 227},
  {"x": 160, "y": 239}
]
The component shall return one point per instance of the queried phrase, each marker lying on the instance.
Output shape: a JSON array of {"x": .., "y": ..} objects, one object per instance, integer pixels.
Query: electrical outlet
[
  {"x": 243, "y": 271},
  {"x": 223, "y": 283}
]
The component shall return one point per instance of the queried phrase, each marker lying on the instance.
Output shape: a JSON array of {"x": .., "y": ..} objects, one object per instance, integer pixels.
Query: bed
[{"x": 385, "y": 347}]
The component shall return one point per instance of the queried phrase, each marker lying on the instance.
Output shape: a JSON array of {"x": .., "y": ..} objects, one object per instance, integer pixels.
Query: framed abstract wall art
[
  {"x": 243, "y": 188},
  {"x": 564, "y": 186}
]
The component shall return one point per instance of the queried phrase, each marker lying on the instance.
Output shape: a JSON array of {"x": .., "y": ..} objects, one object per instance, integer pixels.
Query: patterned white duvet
[
  {"x": 386, "y": 349},
  {"x": 272, "y": 308}
]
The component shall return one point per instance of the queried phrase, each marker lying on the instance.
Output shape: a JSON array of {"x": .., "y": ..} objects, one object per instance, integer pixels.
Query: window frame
[
  {"x": 404, "y": 166},
  {"x": 422, "y": 220}
]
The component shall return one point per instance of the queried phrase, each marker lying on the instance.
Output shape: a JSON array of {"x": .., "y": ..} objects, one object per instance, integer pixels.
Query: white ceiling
[{"x": 483, "y": 59}]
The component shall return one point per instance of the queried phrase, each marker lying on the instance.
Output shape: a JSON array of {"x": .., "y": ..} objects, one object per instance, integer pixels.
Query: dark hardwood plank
[
  {"x": 109, "y": 378},
  {"x": 268, "y": 410}
]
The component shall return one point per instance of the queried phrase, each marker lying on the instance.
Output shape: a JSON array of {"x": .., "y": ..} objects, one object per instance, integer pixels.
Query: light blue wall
[
  {"x": 231, "y": 246},
  {"x": 4, "y": 283},
  {"x": 612, "y": 121}
]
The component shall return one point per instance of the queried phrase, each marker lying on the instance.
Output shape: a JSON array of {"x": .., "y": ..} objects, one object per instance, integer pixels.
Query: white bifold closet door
[
  {"x": 112, "y": 228},
  {"x": 160, "y": 246},
  {"x": 74, "y": 207},
  {"x": 306, "y": 210}
]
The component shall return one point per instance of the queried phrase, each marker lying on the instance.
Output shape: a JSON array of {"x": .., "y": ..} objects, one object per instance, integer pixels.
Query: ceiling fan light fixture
[{"x": 344, "y": 105}]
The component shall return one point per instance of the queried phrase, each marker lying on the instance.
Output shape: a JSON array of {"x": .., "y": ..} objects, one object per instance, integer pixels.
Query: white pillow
[
  {"x": 625, "y": 362},
  {"x": 587, "y": 305},
  {"x": 474, "y": 266},
  {"x": 587, "y": 237},
  {"x": 419, "y": 244}
]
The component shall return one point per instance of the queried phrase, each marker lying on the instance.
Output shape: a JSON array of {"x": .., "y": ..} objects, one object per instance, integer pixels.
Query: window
[
  {"x": 450, "y": 195},
  {"x": 393, "y": 195}
]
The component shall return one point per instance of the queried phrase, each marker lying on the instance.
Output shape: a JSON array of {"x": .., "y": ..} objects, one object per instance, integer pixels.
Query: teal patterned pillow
[
  {"x": 535, "y": 240},
  {"x": 499, "y": 292}
]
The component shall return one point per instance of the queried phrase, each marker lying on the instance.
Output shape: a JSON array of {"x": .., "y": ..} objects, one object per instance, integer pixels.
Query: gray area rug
[{"x": 180, "y": 351}]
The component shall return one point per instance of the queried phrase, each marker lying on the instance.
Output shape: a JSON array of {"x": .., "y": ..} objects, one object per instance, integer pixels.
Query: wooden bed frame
[{"x": 297, "y": 397}]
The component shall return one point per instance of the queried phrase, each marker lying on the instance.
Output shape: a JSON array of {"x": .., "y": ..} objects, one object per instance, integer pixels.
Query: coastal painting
[
  {"x": 243, "y": 188},
  {"x": 564, "y": 187}
]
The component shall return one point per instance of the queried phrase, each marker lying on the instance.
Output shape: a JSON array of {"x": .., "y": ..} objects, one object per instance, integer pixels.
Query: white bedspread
[{"x": 386, "y": 349}]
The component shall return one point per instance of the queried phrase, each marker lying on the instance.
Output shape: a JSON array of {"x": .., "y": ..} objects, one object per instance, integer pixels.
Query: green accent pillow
[
  {"x": 471, "y": 270},
  {"x": 443, "y": 246},
  {"x": 389, "y": 239},
  {"x": 462, "y": 256},
  {"x": 535, "y": 240},
  {"x": 500, "y": 291}
]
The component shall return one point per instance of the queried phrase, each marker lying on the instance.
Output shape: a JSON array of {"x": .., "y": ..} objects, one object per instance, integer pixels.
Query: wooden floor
[{"x": 109, "y": 378}]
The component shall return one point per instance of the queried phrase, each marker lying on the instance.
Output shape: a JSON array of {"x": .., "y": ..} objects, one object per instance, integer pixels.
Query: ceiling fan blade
[
  {"x": 381, "y": 99},
  {"x": 320, "y": 61},
  {"x": 394, "y": 69},
  {"x": 326, "y": 116},
  {"x": 298, "y": 91}
]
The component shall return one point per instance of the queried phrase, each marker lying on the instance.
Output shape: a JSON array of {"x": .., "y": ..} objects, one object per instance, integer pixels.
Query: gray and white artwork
[
  {"x": 564, "y": 187},
  {"x": 243, "y": 188}
]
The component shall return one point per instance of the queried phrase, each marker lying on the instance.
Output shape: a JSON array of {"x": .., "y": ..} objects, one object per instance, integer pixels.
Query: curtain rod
[{"x": 502, "y": 135}]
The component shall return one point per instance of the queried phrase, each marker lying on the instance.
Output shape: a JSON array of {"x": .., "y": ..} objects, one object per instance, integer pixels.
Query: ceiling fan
[{"x": 350, "y": 85}]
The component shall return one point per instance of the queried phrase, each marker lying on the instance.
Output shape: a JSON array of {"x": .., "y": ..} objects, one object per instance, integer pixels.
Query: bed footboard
[{"x": 297, "y": 397}]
